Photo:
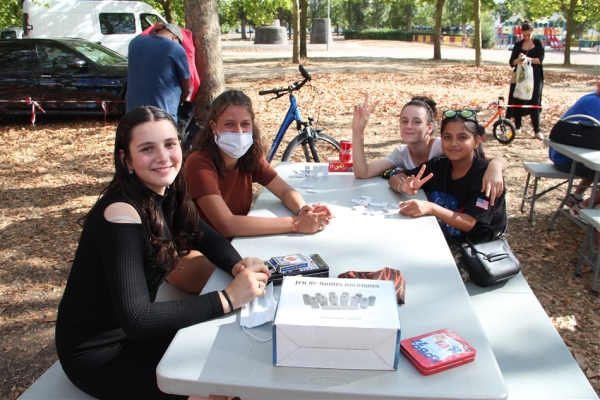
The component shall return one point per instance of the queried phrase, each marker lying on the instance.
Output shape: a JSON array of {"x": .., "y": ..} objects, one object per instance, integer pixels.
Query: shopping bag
[{"x": 524, "y": 85}]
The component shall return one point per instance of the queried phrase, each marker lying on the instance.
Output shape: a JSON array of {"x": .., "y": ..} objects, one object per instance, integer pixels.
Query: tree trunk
[
  {"x": 202, "y": 18},
  {"x": 296, "y": 34},
  {"x": 243, "y": 23},
  {"x": 570, "y": 25},
  {"x": 167, "y": 8},
  {"x": 477, "y": 33},
  {"x": 303, "y": 23},
  {"x": 437, "y": 48}
]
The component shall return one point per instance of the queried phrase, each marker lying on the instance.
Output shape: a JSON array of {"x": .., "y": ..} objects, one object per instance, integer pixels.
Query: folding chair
[{"x": 538, "y": 171}]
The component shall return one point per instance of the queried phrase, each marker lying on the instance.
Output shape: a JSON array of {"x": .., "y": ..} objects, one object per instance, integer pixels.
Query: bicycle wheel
[
  {"x": 504, "y": 131},
  {"x": 298, "y": 150}
]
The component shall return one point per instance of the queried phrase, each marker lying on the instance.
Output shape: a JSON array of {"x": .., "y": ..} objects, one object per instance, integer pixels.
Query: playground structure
[{"x": 550, "y": 31}]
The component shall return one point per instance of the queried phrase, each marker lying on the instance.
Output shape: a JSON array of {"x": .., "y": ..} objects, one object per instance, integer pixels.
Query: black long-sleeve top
[{"x": 110, "y": 292}]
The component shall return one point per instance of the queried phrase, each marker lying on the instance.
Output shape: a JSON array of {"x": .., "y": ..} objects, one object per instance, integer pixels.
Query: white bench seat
[
  {"x": 55, "y": 385},
  {"x": 533, "y": 359},
  {"x": 590, "y": 255},
  {"x": 535, "y": 362}
]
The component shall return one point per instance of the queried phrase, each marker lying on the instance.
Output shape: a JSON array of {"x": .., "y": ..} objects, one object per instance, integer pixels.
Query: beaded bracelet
[{"x": 228, "y": 300}]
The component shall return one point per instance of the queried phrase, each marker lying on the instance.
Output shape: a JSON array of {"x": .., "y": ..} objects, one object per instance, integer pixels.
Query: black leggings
[{"x": 535, "y": 119}]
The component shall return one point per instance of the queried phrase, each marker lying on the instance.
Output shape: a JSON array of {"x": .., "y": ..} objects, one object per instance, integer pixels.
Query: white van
[
  {"x": 110, "y": 23},
  {"x": 11, "y": 33}
]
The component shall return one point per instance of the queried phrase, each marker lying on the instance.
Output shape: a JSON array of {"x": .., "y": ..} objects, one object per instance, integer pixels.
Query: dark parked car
[{"x": 65, "y": 76}]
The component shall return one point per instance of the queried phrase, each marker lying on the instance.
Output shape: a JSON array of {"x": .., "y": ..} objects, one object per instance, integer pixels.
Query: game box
[
  {"x": 336, "y": 323},
  {"x": 437, "y": 351},
  {"x": 296, "y": 264}
]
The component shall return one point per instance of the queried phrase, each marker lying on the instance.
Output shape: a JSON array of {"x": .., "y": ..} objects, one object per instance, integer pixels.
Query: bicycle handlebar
[
  {"x": 295, "y": 86},
  {"x": 304, "y": 72},
  {"x": 272, "y": 91}
]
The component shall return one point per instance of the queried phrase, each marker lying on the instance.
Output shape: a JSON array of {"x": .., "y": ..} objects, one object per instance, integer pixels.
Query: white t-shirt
[{"x": 401, "y": 159}]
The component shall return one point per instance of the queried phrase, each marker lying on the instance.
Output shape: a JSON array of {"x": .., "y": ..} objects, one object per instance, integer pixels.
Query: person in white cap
[{"x": 158, "y": 70}]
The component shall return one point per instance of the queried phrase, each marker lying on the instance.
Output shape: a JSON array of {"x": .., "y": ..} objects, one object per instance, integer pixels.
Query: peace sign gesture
[
  {"x": 362, "y": 112},
  {"x": 412, "y": 183}
]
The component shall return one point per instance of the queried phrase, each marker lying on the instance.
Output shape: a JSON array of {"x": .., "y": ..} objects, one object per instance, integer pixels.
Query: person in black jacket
[
  {"x": 110, "y": 332},
  {"x": 533, "y": 49}
]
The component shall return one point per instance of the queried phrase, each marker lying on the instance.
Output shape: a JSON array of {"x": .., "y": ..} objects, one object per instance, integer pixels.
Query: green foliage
[
  {"x": 402, "y": 14},
  {"x": 256, "y": 12},
  {"x": 12, "y": 13},
  {"x": 488, "y": 31},
  {"x": 380, "y": 34},
  {"x": 176, "y": 9}
]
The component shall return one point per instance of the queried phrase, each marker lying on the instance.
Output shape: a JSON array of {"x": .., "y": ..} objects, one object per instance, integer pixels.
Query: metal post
[{"x": 328, "y": 23}]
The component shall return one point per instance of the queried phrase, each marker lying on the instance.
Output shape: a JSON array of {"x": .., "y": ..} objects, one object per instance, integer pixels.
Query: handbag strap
[
  {"x": 477, "y": 230},
  {"x": 589, "y": 118}
]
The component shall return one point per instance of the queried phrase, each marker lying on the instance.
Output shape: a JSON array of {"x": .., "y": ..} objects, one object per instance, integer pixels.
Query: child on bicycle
[
  {"x": 451, "y": 183},
  {"x": 417, "y": 123}
]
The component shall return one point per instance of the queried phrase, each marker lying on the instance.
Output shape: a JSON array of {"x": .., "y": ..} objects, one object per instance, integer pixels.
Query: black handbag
[
  {"x": 582, "y": 133},
  {"x": 489, "y": 261}
]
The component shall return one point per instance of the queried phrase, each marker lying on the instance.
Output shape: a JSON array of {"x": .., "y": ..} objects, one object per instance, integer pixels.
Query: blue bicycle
[{"x": 311, "y": 144}]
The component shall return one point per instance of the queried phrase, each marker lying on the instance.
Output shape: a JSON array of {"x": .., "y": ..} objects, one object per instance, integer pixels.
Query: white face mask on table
[
  {"x": 235, "y": 145},
  {"x": 260, "y": 310}
]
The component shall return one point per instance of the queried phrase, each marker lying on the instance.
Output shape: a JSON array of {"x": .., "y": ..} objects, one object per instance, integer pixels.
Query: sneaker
[
  {"x": 517, "y": 131},
  {"x": 573, "y": 200},
  {"x": 575, "y": 213},
  {"x": 539, "y": 135}
]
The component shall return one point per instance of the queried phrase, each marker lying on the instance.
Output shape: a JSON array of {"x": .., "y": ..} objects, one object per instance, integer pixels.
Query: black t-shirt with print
[{"x": 462, "y": 195}]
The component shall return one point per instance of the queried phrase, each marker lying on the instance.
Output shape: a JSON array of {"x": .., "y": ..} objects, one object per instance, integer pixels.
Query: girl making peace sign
[{"x": 453, "y": 183}]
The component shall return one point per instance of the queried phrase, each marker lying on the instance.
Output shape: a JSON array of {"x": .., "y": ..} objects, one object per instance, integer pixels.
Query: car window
[
  {"x": 50, "y": 56},
  {"x": 148, "y": 20},
  {"x": 117, "y": 23},
  {"x": 8, "y": 35},
  {"x": 100, "y": 55},
  {"x": 18, "y": 58}
]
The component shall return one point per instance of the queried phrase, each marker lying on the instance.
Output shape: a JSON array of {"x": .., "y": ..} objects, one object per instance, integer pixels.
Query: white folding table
[
  {"x": 217, "y": 357},
  {"x": 588, "y": 157}
]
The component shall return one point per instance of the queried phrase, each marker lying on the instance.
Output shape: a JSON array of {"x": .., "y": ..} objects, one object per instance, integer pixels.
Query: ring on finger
[{"x": 263, "y": 292}]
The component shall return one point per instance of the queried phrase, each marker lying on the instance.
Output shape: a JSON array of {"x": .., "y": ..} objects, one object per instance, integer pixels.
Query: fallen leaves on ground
[{"x": 52, "y": 173}]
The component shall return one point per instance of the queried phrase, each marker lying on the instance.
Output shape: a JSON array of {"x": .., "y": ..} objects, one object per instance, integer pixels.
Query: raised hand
[{"x": 362, "y": 112}]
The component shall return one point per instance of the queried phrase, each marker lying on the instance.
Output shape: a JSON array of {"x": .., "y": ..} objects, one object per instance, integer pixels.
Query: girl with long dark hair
[{"x": 110, "y": 332}]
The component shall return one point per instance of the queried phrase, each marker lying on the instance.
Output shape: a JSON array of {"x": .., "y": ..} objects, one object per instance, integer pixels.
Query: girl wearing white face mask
[
  {"x": 417, "y": 124},
  {"x": 227, "y": 158}
]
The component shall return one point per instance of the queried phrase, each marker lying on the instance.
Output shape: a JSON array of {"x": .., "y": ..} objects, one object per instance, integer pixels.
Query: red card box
[
  {"x": 335, "y": 165},
  {"x": 437, "y": 351}
]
